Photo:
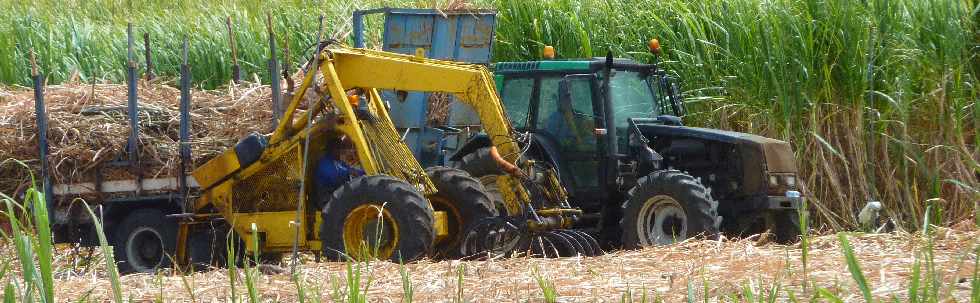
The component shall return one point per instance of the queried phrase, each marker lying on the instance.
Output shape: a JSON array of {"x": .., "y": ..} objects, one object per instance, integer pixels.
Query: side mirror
[{"x": 676, "y": 100}]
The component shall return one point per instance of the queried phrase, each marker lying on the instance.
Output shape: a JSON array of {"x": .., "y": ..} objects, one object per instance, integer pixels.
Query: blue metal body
[
  {"x": 42, "y": 133},
  {"x": 274, "y": 78},
  {"x": 185, "y": 128},
  {"x": 465, "y": 36}
]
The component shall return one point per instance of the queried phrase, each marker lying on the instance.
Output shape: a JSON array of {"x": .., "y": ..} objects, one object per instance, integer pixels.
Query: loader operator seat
[
  {"x": 334, "y": 169},
  {"x": 250, "y": 149}
]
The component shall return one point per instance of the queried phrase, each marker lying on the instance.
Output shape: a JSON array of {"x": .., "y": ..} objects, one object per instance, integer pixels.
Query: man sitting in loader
[{"x": 336, "y": 167}]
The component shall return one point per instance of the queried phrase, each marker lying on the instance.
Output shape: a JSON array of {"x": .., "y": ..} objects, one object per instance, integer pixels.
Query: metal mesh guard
[
  {"x": 393, "y": 156},
  {"x": 274, "y": 188}
]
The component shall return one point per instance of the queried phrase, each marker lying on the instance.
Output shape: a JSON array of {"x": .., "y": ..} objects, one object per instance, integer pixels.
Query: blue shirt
[{"x": 331, "y": 173}]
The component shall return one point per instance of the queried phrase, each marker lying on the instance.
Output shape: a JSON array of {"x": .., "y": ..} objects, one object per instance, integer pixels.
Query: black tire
[
  {"x": 404, "y": 208},
  {"x": 785, "y": 225},
  {"x": 207, "y": 247},
  {"x": 685, "y": 205},
  {"x": 144, "y": 241},
  {"x": 465, "y": 201},
  {"x": 490, "y": 186},
  {"x": 478, "y": 163}
]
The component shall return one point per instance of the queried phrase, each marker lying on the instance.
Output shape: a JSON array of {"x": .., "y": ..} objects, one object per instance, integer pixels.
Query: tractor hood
[{"x": 778, "y": 154}]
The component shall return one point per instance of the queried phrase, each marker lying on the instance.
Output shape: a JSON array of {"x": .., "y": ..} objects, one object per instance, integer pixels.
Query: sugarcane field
[{"x": 490, "y": 151}]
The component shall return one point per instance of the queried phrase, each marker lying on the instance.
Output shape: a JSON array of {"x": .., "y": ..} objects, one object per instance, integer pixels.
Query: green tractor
[{"x": 613, "y": 130}]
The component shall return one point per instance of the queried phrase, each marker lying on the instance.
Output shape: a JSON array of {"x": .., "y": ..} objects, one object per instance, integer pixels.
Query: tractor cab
[{"x": 582, "y": 126}]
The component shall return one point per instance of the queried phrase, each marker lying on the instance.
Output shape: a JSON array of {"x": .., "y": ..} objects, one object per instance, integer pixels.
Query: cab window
[{"x": 516, "y": 97}]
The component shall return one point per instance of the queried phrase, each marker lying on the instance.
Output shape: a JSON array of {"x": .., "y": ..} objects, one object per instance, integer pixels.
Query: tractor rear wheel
[
  {"x": 145, "y": 241},
  {"x": 667, "y": 206},
  {"x": 478, "y": 163},
  {"x": 377, "y": 216},
  {"x": 465, "y": 202}
]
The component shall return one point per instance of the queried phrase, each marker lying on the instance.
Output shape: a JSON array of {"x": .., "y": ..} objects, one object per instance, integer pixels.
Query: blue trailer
[{"x": 465, "y": 36}]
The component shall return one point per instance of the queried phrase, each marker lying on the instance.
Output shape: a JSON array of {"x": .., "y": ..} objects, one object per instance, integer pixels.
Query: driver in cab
[{"x": 570, "y": 128}]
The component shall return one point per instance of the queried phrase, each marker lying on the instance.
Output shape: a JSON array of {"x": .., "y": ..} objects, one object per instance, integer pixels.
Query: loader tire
[
  {"x": 667, "y": 206},
  {"x": 351, "y": 228},
  {"x": 144, "y": 241},
  {"x": 480, "y": 165},
  {"x": 490, "y": 184},
  {"x": 465, "y": 201},
  {"x": 208, "y": 247}
]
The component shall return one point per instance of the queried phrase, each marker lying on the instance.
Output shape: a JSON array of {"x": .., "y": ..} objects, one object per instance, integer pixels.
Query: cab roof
[{"x": 572, "y": 65}]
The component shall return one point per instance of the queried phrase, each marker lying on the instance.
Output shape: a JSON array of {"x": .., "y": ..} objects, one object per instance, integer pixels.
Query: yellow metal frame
[
  {"x": 343, "y": 69},
  {"x": 472, "y": 84}
]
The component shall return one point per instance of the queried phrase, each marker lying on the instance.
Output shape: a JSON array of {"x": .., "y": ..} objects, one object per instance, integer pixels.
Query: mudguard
[{"x": 543, "y": 147}]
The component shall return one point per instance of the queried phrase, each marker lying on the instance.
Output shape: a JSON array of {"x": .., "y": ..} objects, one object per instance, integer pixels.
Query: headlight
[{"x": 780, "y": 183}]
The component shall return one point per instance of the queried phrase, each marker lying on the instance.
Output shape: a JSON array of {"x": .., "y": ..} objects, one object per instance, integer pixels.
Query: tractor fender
[
  {"x": 474, "y": 143},
  {"x": 546, "y": 149},
  {"x": 542, "y": 149}
]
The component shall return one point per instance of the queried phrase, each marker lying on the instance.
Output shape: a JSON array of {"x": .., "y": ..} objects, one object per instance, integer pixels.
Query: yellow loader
[{"x": 264, "y": 188}]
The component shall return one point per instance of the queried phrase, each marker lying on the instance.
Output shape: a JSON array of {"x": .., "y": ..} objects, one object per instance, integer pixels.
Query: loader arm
[{"x": 472, "y": 84}]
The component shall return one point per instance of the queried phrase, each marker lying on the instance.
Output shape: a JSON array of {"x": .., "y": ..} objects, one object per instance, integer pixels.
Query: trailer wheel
[
  {"x": 465, "y": 201},
  {"x": 144, "y": 241},
  {"x": 377, "y": 217},
  {"x": 667, "y": 206}
]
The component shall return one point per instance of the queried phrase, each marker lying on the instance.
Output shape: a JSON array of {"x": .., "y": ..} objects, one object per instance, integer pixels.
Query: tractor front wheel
[
  {"x": 377, "y": 217},
  {"x": 785, "y": 225},
  {"x": 665, "y": 207}
]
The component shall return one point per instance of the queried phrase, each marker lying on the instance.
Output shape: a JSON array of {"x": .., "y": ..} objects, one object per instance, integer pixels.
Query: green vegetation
[{"x": 89, "y": 37}]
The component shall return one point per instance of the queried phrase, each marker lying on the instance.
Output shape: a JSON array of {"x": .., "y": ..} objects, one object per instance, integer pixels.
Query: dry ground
[{"x": 719, "y": 270}]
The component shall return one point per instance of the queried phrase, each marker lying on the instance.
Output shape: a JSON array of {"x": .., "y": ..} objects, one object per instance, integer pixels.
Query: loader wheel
[
  {"x": 144, "y": 241},
  {"x": 205, "y": 248},
  {"x": 465, "y": 202},
  {"x": 490, "y": 184},
  {"x": 377, "y": 217},
  {"x": 667, "y": 206},
  {"x": 480, "y": 165},
  {"x": 785, "y": 225}
]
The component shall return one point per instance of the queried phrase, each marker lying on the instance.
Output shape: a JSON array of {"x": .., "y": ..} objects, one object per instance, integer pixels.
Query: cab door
[{"x": 568, "y": 112}]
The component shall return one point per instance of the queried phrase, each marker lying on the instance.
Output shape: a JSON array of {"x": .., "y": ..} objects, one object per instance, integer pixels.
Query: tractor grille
[
  {"x": 393, "y": 157},
  {"x": 274, "y": 188}
]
